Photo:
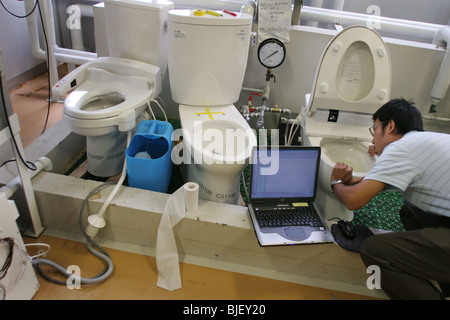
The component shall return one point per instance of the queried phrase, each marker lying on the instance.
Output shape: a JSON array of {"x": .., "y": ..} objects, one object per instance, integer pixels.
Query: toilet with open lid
[{"x": 352, "y": 81}]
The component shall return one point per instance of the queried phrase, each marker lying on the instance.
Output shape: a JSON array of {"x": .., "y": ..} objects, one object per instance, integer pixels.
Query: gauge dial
[{"x": 271, "y": 53}]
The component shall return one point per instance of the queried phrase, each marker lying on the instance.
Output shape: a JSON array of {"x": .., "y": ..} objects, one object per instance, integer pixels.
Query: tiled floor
[{"x": 134, "y": 275}]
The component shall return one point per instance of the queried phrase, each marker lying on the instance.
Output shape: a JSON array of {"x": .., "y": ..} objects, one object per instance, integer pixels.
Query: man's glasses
[{"x": 372, "y": 128}]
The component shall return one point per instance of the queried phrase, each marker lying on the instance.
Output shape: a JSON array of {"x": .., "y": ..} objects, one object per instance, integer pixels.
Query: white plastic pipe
[
  {"x": 338, "y": 4},
  {"x": 442, "y": 82},
  {"x": 40, "y": 164},
  {"x": 76, "y": 34},
  {"x": 57, "y": 53},
  {"x": 396, "y": 26},
  {"x": 315, "y": 4},
  {"x": 49, "y": 23}
]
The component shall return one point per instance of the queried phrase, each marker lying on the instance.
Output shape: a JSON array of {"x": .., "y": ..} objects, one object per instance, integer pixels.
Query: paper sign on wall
[{"x": 274, "y": 19}]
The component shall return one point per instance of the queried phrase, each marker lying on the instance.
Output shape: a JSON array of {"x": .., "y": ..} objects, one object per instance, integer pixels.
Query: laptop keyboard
[{"x": 301, "y": 216}]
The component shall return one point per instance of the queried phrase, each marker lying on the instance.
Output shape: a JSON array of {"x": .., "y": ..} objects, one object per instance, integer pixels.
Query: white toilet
[
  {"x": 207, "y": 62},
  {"x": 137, "y": 30},
  {"x": 111, "y": 93},
  {"x": 352, "y": 81}
]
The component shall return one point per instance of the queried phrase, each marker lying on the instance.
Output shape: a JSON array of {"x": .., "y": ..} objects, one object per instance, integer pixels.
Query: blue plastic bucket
[{"x": 149, "y": 165}]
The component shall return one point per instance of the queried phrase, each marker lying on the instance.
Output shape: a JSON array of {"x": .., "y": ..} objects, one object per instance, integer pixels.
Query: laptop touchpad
[{"x": 295, "y": 233}]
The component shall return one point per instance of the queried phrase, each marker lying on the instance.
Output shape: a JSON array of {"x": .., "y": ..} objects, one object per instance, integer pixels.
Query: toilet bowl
[
  {"x": 217, "y": 144},
  {"x": 352, "y": 81},
  {"x": 108, "y": 95},
  {"x": 351, "y": 152},
  {"x": 207, "y": 62}
]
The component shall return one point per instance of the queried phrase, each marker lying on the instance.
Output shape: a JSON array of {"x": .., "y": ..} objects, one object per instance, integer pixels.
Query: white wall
[
  {"x": 414, "y": 69},
  {"x": 14, "y": 41}
]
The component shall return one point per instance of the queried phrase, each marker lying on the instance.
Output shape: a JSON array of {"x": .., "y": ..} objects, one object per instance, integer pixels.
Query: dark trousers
[{"x": 409, "y": 260}]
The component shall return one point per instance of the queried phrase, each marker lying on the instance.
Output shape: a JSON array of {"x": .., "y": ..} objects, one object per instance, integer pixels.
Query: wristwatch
[{"x": 333, "y": 182}]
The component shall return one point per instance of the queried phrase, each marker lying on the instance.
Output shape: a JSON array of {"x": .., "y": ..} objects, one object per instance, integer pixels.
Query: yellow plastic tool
[
  {"x": 199, "y": 12},
  {"x": 213, "y": 13}
]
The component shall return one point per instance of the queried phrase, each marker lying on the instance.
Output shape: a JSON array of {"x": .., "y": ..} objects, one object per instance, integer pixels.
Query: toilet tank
[
  {"x": 137, "y": 30},
  {"x": 207, "y": 56}
]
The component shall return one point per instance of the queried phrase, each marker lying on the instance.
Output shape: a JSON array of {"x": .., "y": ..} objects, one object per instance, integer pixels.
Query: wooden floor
[{"x": 134, "y": 275}]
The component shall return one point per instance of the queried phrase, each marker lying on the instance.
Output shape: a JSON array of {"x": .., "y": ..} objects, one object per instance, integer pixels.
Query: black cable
[
  {"x": 48, "y": 67},
  {"x": 12, "y": 160},
  {"x": 36, "y": 4},
  {"x": 10, "y": 128},
  {"x": 10, "y": 242},
  {"x": 17, "y": 16}
]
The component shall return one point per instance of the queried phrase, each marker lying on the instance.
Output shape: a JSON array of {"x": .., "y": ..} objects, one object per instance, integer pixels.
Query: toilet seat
[
  {"x": 202, "y": 123},
  {"x": 107, "y": 93},
  {"x": 352, "y": 81}
]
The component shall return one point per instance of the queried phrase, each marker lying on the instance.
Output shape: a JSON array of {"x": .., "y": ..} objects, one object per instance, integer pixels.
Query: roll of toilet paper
[
  {"x": 191, "y": 195},
  {"x": 167, "y": 260}
]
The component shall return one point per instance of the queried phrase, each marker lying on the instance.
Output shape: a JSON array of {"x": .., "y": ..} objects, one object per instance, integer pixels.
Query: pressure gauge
[{"x": 271, "y": 53}]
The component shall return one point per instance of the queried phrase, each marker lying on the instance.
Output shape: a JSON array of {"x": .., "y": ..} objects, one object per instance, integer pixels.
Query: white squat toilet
[
  {"x": 207, "y": 62},
  {"x": 352, "y": 81},
  {"x": 111, "y": 93}
]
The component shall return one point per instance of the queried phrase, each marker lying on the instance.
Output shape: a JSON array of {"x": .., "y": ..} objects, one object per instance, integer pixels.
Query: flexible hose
[
  {"x": 103, "y": 255},
  {"x": 90, "y": 244},
  {"x": 96, "y": 279},
  {"x": 92, "y": 229}
]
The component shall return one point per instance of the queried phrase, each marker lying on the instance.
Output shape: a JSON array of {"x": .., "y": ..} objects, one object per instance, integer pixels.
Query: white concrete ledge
[{"x": 214, "y": 235}]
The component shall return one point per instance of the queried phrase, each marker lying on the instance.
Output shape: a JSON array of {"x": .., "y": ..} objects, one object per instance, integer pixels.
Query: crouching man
[{"x": 417, "y": 163}]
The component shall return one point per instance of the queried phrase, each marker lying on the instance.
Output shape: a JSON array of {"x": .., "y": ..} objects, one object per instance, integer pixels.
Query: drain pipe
[
  {"x": 442, "y": 82},
  {"x": 399, "y": 26},
  {"x": 315, "y": 4},
  {"x": 43, "y": 163},
  {"x": 76, "y": 33},
  {"x": 44, "y": 7},
  {"x": 339, "y": 5},
  {"x": 56, "y": 53}
]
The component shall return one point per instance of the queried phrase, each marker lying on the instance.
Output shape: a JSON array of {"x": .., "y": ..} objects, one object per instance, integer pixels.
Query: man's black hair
[{"x": 404, "y": 113}]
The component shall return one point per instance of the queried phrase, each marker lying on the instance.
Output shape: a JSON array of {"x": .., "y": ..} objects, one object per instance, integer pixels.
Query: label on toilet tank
[{"x": 179, "y": 34}]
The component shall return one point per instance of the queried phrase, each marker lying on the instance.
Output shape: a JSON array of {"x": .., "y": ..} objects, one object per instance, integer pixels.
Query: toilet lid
[
  {"x": 189, "y": 17},
  {"x": 354, "y": 73}
]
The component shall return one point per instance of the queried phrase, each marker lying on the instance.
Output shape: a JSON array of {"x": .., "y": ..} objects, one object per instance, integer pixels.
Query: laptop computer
[{"x": 283, "y": 184}]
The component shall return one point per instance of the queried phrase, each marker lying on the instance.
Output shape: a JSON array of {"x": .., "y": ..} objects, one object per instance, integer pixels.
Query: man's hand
[
  {"x": 371, "y": 151},
  {"x": 343, "y": 172},
  {"x": 353, "y": 192}
]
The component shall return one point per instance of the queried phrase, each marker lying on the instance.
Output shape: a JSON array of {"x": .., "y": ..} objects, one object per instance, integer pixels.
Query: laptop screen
[{"x": 284, "y": 172}]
